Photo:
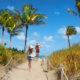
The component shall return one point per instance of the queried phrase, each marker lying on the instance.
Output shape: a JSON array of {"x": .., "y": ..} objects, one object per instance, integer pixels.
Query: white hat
[{"x": 30, "y": 47}]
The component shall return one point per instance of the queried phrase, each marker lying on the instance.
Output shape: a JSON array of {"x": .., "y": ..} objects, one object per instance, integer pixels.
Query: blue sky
[{"x": 52, "y": 35}]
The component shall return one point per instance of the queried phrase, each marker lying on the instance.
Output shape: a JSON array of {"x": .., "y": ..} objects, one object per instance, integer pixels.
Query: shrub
[
  {"x": 70, "y": 58},
  {"x": 3, "y": 54},
  {"x": 6, "y": 54}
]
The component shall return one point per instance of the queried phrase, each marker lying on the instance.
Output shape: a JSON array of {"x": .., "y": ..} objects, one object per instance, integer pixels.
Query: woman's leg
[
  {"x": 37, "y": 56},
  {"x": 30, "y": 64}
]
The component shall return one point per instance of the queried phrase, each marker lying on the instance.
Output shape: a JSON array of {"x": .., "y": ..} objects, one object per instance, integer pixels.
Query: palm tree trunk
[
  {"x": 10, "y": 40},
  {"x": 26, "y": 38},
  {"x": 2, "y": 35},
  {"x": 68, "y": 41}
]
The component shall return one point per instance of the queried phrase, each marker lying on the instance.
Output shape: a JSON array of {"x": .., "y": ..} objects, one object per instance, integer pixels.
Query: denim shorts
[{"x": 30, "y": 58}]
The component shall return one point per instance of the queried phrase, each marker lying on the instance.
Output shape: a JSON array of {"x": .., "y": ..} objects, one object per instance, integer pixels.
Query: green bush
[
  {"x": 3, "y": 54},
  {"x": 6, "y": 54}
]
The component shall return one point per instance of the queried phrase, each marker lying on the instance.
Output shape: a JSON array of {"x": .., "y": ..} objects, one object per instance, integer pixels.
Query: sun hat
[
  {"x": 37, "y": 43},
  {"x": 30, "y": 47}
]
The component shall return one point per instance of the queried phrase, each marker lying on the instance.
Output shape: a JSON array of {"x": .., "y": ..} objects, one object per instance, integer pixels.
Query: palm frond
[
  {"x": 37, "y": 23},
  {"x": 34, "y": 10},
  {"x": 78, "y": 6},
  {"x": 30, "y": 17},
  {"x": 17, "y": 11},
  {"x": 72, "y": 12},
  {"x": 71, "y": 30}
]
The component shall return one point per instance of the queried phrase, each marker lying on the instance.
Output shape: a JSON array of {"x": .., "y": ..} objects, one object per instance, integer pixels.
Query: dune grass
[
  {"x": 6, "y": 54},
  {"x": 70, "y": 58}
]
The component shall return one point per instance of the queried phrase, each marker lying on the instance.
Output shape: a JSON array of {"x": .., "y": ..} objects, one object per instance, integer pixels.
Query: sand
[{"x": 22, "y": 72}]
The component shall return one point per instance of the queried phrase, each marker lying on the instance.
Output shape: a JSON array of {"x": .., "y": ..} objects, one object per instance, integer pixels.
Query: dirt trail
[{"x": 22, "y": 72}]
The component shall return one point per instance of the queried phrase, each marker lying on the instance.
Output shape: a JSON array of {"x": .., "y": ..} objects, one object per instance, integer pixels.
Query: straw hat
[{"x": 30, "y": 47}]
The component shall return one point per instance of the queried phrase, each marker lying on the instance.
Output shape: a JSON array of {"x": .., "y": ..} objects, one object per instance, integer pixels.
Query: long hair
[{"x": 31, "y": 51}]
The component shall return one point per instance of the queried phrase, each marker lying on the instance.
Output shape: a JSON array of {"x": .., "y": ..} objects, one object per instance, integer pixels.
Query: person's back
[
  {"x": 30, "y": 52},
  {"x": 30, "y": 56}
]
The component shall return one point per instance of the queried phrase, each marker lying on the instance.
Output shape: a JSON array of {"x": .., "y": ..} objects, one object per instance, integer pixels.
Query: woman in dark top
[{"x": 37, "y": 47}]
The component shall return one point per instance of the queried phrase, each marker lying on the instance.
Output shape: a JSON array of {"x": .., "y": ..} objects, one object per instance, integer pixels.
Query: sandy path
[{"x": 22, "y": 72}]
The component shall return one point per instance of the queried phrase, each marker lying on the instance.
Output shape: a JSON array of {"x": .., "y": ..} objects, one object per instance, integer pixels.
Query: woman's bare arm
[{"x": 40, "y": 46}]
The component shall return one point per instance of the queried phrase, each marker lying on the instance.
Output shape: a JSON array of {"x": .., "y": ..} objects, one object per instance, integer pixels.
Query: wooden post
[
  {"x": 42, "y": 63},
  {"x": 61, "y": 69},
  {"x": 48, "y": 66},
  {"x": 11, "y": 63}
]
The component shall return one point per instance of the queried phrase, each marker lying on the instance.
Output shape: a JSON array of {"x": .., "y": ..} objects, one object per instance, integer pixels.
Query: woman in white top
[{"x": 30, "y": 56}]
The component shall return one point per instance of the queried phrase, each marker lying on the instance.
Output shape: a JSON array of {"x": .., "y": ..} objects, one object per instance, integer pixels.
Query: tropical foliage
[
  {"x": 77, "y": 6},
  {"x": 70, "y": 31},
  {"x": 13, "y": 27},
  {"x": 14, "y": 21},
  {"x": 72, "y": 12},
  {"x": 30, "y": 17},
  {"x": 4, "y": 16}
]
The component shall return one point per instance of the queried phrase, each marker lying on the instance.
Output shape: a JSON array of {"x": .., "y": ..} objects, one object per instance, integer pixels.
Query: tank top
[
  {"x": 37, "y": 48},
  {"x": 31, "y": 55}
]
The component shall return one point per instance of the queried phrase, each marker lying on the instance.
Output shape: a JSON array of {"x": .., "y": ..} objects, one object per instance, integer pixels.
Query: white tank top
[{"x": 31, "y": 55}]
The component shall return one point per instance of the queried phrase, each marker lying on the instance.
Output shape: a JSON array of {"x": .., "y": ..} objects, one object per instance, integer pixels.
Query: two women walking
[{"x": 31, "y": 54}]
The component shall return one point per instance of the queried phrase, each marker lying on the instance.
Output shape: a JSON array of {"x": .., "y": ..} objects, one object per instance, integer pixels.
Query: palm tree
[
  {"x": 29, "y": 17},
  {"x": 13, "y": 27},
  {"x": 72, "y": 12},
  {"x": 70, "y": 31},
  {"x": 4, "y": 16},
  {"x": 77, "y": 6}
]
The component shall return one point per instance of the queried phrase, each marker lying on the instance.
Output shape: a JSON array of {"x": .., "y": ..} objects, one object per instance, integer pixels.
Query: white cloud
[
  {"x": 35, "y": 34},
  {"x": 65, "y": 37},
  {"x": 11, "y": 8},
  {"x": 48, "y": 38},
  {"x": 21, "y": 36},
  {"x": 78, "y": 29},
  {"x": 32, "y": 42},
  {"x": 57, "y": 12},
  {"x": 0, "y": 41},
  {"x": 62, "y": 30},
  {"x": 42, "y": 43},
  {"x": 47, "y": 46}
]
